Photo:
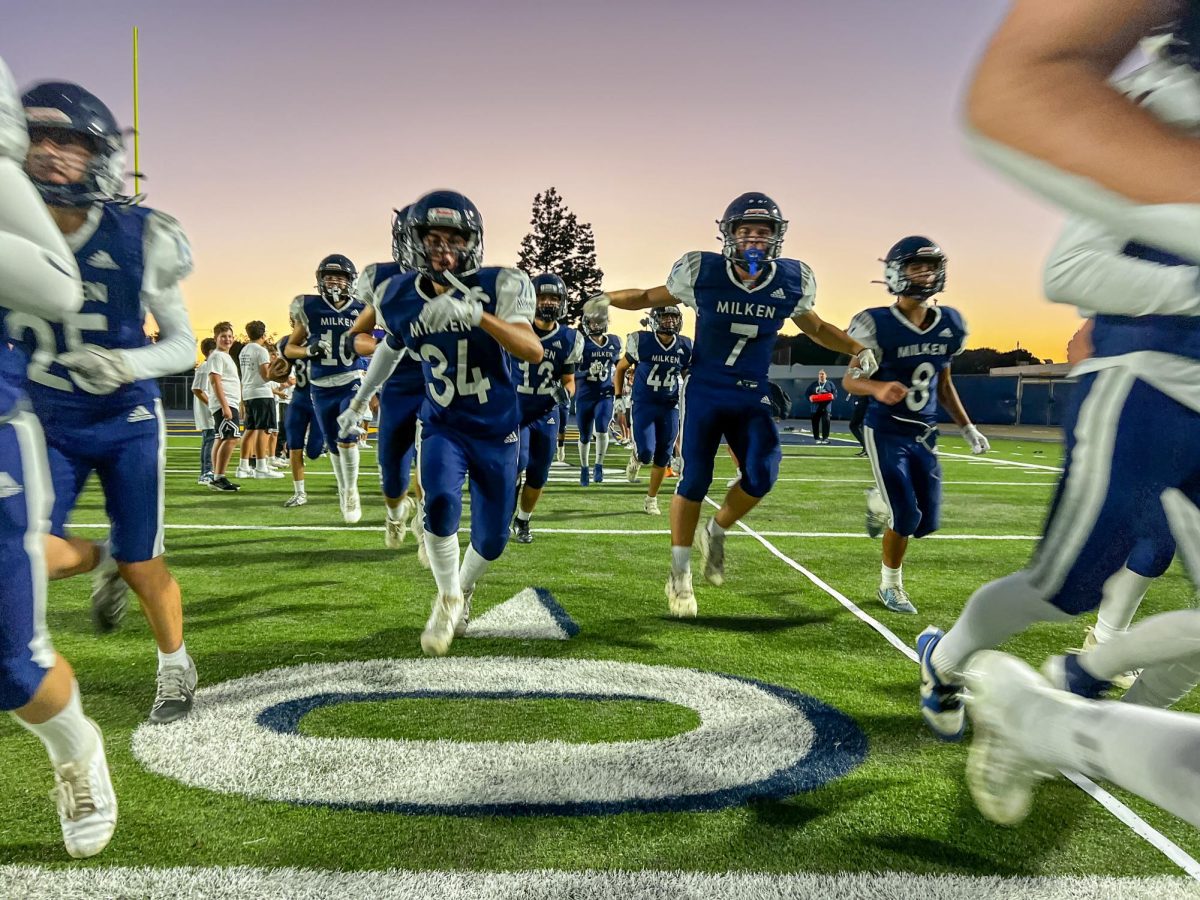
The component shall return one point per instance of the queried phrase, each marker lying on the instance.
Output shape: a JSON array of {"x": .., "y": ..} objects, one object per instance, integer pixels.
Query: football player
[
  {"x": 914, "y": 341},
  {"x": 399, "y": 373},
  {"x": 303, "y": 429},
  {"x": 93, "y": 377},
  {"x": 659, "y": 358},
  {"x": 321, "y": 334},
  {"x": 594, "y": 393},
  {"x": 38, "y": 277},
  {"x": 463, "y": 320},
  {"x": 1142, "y": 375},
  {"x": 539, "y": 388},
  {"x": 742, "y": 297}
]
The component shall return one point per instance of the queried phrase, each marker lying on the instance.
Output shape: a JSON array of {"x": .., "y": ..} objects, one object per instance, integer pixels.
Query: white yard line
[{"x": 1123, "y": 813}]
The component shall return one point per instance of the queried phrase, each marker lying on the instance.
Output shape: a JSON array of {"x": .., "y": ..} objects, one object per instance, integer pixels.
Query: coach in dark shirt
[{"x": 821, "y": 394}]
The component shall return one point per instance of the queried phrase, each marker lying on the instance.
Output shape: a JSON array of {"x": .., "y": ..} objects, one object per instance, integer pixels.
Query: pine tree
[{"x": 559, "y": 243}]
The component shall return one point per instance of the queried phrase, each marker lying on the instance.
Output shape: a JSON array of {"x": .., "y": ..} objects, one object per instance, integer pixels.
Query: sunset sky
[{"x": 278, "y": 132}]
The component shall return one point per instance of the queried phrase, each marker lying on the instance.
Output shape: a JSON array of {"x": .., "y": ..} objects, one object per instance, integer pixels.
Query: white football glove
[
  {"x": 864, "y": 365},
  {"x": 98, "y": 369},
  {"x": 979, "y": 443},
  {"x": 621, "y": 404},
  {"x": 597, "y": 304},
  {"x": 320, "y": 349},
  {"x": 349, "y": 421}
]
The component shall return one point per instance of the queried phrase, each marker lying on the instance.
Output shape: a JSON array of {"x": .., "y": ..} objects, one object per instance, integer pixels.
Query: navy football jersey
[
  {"x": 112, "y": 266},
  {"x": 563, "y": 348},
  {"x": 596, "y": 366},
  {"x": 300, "y": 371},
  {"x": 736, "y": 325},
  {"x": 913, "y": 356},
  {"x": 407, "y": 378},
  {"x": 659, "y": 368},
  {"x": 324, "y": 322},
  {"x": 1117, "y": 335},
  {"x": 468, "y": 378}
]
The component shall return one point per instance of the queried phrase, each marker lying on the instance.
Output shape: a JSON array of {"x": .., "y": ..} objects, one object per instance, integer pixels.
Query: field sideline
[{"x": 776, "y": 737}]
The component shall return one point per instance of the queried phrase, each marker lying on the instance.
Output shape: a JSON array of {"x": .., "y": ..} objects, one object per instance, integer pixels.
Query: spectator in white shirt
[
  {"x": 224, "y": 400},
  {"x": 259, "y": 403},
  {"x": 201, "y": 416}
]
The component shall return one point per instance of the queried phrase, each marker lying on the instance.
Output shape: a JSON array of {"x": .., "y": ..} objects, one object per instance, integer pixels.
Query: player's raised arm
[{"x": 297, "y": 345}]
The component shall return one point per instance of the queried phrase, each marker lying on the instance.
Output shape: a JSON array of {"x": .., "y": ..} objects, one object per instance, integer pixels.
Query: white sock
[
  {"x": 681, "y": 559},
  {"x": 443, "y": 560},
  {"x": 393, "y": 512},
  {"x": 889, "y": 577},
  {"x": 335, "y": 459},
  {"x": 715, "y": 529},
  {"x": 1151, "y": 752},
  {"x": 261, "y": 465},
  {"x": 1165, "y": 638},
  {"x": 602, "y": 440},
  {"x": 177, "y": 658},
  {"x": 67, "y": 735},
  {"x": 298, "y": 487},
  {"x": 1123, "y": 594},
  {"x": 584, "y": 452},
  {"x": 473, "y": 568},
  {"x": 523, "y": 516},
  {"x": 350, "y": 468},
  {"x": 993, "y": 614}
]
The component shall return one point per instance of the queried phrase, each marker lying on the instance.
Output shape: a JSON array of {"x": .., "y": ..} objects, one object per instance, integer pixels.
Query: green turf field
[{"x": 287, "y": 588}]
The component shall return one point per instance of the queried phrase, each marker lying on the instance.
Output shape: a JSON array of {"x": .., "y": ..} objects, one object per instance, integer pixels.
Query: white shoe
[
  {"x": 417, "y": 527},
  {"x": 351, "y": 508},
  {"x": 268, "y": 473},
  {"x": 1091, "y": 642},
  {"x": 393, "y": 533},
  {"x": 878, "y": 513},
  {"x": 561, "y": 455},
  {"x": 632, "y": 469},
  {"x": 650, "y": 506},
  {"x": 295, "y": 500},
  {"x": 87, "y": 805},
  {"x": 439, "y": 630},
  {"x": 464, "y": 618},
  {"x": 681, "y": 599},
  {"x": 110, "y": 597},
  {"x": 1000, "y": 776},
  {"x": 712, "y": 553},
  {"x": 244, "y": 472}
]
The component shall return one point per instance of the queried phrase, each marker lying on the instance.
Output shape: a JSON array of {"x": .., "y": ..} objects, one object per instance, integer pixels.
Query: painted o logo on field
[{"x": 754, "y": 740}]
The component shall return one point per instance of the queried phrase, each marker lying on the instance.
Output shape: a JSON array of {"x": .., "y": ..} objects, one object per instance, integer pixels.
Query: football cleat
[
  {"x": 439, "y": 629},
  {"x": 110, "y": 597},
  {"x": 1001, "y": 778},
  {"x": 941, "y": 700},
  {"x": 585, "y": 476},
  {"x": 878, "y": 513},
  {"x": 1123, "y": 681},
  {"x": 681, "y": 599},
  {"x": 1065, "y": 673},
  {"x": 598, "y": 474},
  {"x": 521, "y": 529},
  {"x": 175, "y": 689},
  {"x": 87, "y": 805},
  {"x": 295, "y": 500},
  {"x": 862, "y": 454},
  {"x": 632, "y": 468},
  {"x": 896, "y": 599},
  {"x": 393, "y": 533},
  {"x": 417, "y": 527},
  {"x": 351, "y": 508},
  {"x": 460, "y": 625},
  {"x": 650, "y": 506},
  {"x": 712, "y": 554},
  {"x": 560, "y": 458}
]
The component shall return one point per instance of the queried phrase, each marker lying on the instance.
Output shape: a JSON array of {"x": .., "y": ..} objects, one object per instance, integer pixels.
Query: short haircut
[
  {"x": 207, "y": 346},
  {"x": 222, "y": 327},
  {"x": 255, "y": 330}
]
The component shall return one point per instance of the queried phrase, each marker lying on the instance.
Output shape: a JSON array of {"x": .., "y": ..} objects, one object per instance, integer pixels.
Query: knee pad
[
  {"x": 442, "y": 514},
  {"x": 1152, "y": 557},
  {"x": 491, "y": 546},
  {"x": 758, "y": 478},
  {"x": 695, "y": 481},
  {"x": 20, "y": 678},
  {"x": 645, "y": 456}
]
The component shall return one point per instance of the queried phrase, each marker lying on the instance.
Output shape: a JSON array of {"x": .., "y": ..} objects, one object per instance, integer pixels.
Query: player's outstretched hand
[
  {"x": 890, "y": 392},
  {"x": 349, "y": 421},
  {"x": 979, "y": 443},
  {"x": 597, "y": 304},
  {"x": 101, "y": 369}
]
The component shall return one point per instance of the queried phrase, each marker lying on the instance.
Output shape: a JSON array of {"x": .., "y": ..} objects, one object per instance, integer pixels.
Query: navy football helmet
[
  {"x": 402, "y": 249},
  {"x": 666, "y": 320},
  {"x": 551, "y": 294},
  {"x": 446, "y": 209},
  {"x": 63, "y": 108},
  {"x": 908, "y": 250},
  {"x": 751, "y": 208},
  {"x": 336, "y": 264},
  {"x": 596, "y": 324}
]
